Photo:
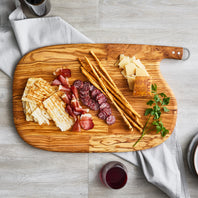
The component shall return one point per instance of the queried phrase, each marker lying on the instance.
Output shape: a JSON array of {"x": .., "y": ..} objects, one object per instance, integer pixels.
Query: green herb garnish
[{"x": 157, "y": 106}]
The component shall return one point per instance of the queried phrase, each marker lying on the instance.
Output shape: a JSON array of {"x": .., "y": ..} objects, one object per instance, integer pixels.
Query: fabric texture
[{"x": 162, "y": 165}]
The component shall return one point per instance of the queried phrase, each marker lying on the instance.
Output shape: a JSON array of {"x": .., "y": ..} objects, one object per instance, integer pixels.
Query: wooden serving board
[{"x": 102, "y": 138}]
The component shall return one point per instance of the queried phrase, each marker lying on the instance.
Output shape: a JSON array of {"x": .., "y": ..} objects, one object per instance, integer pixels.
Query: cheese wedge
[
  {"x": 131, "y": 81},
  {"x": 130, "y": 69},
  {"x": 141, "y": 72},
  {"x": 124, "y": 62},
  {"x": 56, "y": 109},
  {"x": 138, "y": 63}
]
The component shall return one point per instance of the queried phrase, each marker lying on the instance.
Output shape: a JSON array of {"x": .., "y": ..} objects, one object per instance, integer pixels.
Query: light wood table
[{"x": 29, "y": 172}]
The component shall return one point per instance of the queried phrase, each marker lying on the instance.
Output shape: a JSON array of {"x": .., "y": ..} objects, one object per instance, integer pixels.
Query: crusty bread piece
[
  {"x": 142, "y": 86},
  {"x": 56, "y": 109}
]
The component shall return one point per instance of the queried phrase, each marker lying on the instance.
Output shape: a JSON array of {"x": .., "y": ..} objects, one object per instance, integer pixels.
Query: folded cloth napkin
[{"x": 162, "y": 165}]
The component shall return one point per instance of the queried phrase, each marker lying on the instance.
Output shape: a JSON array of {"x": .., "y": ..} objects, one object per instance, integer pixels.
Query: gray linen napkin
[{"x": 162, "y": 165}]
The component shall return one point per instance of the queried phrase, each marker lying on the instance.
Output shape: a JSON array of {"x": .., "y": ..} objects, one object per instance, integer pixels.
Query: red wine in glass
[{"x": 113, "y": 175}]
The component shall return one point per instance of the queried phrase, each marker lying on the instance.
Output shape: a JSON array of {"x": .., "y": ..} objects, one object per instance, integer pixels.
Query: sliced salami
[
  {"x": 85, "y": 100},
  {"x": 110, "y": 120},
  {"x": 93, "y": 105},
  {"x": 84, "y": 92},
  {"x": 94, "y": 93},
  {"x": 92, "y": 87},
  {"x": 86, "y": 86},
  {"x": 104, "y": 105},
  {"x": 78, "y": 84},
  {"x": 101, "y": 98},
  {"x": 102, "y": 115},
  {"x": 107, "y": 111}
]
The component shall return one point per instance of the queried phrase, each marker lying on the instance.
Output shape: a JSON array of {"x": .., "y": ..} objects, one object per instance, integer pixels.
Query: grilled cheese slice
[
  {"x": 56, "y": 109},
  {"x": 35, "y": 92},
  {"x": 40, "y": 117},
  {"x": 40, "y": 91},
  {"x": 26, "y": 106}
]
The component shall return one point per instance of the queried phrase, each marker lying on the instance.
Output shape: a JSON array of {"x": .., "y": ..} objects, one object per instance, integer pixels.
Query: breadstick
[
  {"x": 113, "y": 85},
  {"x": 103, "y": 69},
  {"x": 133, "y": 123},
  {"x": 94, "y": 82},
  {"x": 108, "y": 94}
]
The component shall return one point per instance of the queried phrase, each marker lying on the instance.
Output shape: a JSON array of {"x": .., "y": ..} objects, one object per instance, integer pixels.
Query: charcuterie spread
[{"x": 94, "y": 97}]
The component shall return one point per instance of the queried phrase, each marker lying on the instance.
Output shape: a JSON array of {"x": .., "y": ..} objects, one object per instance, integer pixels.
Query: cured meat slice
[
  {"x": 64, "y": 89},
  {"x": 70, "y": 111},
  {"x": 110, "y": 120},
  {"x": 104, "y": 105},
  {"x": 80, "y": 110},
  {"x": 92, "y": 104},
  {"x": 86, "y": 86},
  {"x": 101, "y": 98},
  {"x": 63, "y": 80},
  {"x": 76, "y": 113},
  {"x": 63, "y": 72},
  {"x": 94, "y": 93},
  {"x": 76, "y": 127},
  {"x": 75, "y": 91},
  {"x": 78, "y": 84},
  {"x": 82, "y": 92},
  {"x": 85, "y": 100},
  {"x": 65, "y": 98},
  {"x": 82, "y": 96},
  {"x": 75, "y": 103},
  {"x": 55, "y": 82},
  {"x": 107, "y": 111},
  {"x": 86, "y": 121},
  {"x": 102, "y": 115},
  {"x": 92, "y": 87}
]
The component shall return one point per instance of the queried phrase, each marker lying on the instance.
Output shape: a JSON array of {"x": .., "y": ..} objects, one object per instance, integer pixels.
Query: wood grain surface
[{"x": 102, "y": 138}]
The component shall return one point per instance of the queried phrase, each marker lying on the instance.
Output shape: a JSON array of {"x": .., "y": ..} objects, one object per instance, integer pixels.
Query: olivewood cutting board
[{"x": 102, "y": 138}]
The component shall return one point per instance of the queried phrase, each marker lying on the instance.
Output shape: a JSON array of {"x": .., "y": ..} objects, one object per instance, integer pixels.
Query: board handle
[{"x": 179, "y": 53}]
